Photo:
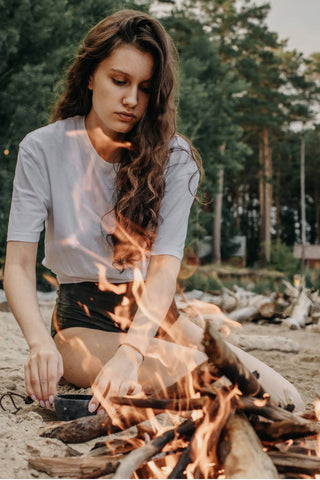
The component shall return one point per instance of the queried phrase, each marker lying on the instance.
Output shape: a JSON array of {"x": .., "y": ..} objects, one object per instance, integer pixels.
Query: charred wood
[
  {"x": 294, "y": 462},
  {"x": 228, "y": 364},
  {"x": 141, "y": 455}
]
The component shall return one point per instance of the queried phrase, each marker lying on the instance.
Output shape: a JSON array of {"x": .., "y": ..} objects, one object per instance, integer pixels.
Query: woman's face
[{"x": 120, "y": 87}]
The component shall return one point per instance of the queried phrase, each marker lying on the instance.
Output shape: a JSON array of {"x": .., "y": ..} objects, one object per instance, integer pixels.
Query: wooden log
[
  {"x": 290, "y": 290},
  {"x": 183, "y": 462},
  {"x": 245, "y": 314},
  {"x": 241, "y": 452},
  {"x": 300, "y": 312},
  {"x": 258, "y": 306},
  {"x": 141, "y": 455},
  {"x": 229, "y": 300},
  {"x": 180, "y": 404},
  {"x": 265, "y": 408},
  {"x": 261, "y": 342},
  {"x": 295, "y": 463},
  {"x": 75, "y": 467},
  {"x": 228, "y": 364},
  {"x": 285, "y": 430},
  {"x": 86, "y": 428}
]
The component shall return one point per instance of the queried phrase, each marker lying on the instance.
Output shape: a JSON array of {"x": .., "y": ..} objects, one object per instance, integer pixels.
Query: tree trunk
[
  {"x": 303, "y": 198},
  {"x": 265, "y": 193},
  {"x": 218, "y": 213},
  {"x": 217, "y": 220},
  {"x": 277, "y": 201},
  {"x": 317, "y": 213}
]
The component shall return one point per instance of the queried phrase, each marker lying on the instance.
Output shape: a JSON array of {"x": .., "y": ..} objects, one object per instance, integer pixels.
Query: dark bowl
[{"x": 71, "y": 406}]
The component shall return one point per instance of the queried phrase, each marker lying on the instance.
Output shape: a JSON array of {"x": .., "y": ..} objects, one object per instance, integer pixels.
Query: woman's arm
[
  {"x": 119, "y": 375},
  {"x": 44, "y": 366},
  {"x": 155, "y": 301}
]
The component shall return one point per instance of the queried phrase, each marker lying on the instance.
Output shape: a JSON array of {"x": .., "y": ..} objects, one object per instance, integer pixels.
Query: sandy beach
[{"x": 19, "y": 432}]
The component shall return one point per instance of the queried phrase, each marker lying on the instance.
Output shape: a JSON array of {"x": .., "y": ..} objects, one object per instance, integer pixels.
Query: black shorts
[{"x": 85, "y": 305}]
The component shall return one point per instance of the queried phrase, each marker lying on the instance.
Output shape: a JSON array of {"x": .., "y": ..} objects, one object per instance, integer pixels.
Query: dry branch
[
  {"x": 143, "y": 454},
  {"x": 268, "y": 410},
  {"x": 300, "y": 312},
  {"x": 295, "y": 462},
  {"x": 261, "y": 342},
  {"x": 285, "y": 430},
  {"x": 87, "y": 428},
  {"x": 242, "y": 454},
  {"x": 228, "y": 364},
  {"x": 75, "y": 467},
  {"x": 180, "y": 404}
]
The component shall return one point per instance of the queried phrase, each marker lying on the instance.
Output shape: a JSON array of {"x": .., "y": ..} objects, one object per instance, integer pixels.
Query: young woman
[{"x": 114, "y": 184}]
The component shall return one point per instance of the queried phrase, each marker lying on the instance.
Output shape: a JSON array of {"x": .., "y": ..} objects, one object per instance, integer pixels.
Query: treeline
[{"x": 244, "y": 101}]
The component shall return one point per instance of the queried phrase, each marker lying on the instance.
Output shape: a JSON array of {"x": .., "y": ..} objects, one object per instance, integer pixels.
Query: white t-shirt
[{"x": 62, "y": 182}]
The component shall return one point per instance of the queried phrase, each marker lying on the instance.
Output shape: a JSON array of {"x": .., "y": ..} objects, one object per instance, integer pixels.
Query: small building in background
[{"x": 311, "y": 255}]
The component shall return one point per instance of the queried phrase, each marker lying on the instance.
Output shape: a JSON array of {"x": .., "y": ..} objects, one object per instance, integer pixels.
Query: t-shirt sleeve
[
  {"x": 182, "y": 180},
  {"x": 30, "y": 198}
]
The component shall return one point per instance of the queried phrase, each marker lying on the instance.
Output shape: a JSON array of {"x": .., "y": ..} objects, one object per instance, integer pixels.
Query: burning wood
[{"x": 225, "y": 429}]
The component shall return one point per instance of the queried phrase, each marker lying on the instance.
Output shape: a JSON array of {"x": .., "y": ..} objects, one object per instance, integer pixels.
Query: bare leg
[
  {"x": 85, "y": 351},
  {"x": 277, "y": 386}
]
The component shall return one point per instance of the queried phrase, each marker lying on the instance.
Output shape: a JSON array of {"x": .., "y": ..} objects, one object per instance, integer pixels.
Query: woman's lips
[{"x": 126, "y": 117}]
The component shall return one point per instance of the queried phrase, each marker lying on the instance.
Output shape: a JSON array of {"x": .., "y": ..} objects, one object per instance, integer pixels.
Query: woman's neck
[{"x": 105, "y": 145}]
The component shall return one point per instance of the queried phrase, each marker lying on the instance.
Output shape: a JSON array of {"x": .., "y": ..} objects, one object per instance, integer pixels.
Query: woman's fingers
[
  {"x": 29, "y": 388},
  {"x": 33, "y": 373},
  {"x": 42, "y": 373},
  {"x": 43, "y": 378},
  {"x": 53, "y": 377},
  {"x": 100, "y": 392}
]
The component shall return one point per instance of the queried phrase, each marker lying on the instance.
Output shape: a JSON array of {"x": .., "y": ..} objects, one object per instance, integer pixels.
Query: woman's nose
[{"x": 131, "y": 97}]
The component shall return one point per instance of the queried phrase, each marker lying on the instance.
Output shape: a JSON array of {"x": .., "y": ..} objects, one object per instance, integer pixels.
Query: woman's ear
[{"x": 90, "y": 83}]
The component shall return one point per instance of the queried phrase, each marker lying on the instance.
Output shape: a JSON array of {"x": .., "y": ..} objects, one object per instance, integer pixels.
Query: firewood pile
[
  {"x": 295, "y": 307},
  {"x": 223, "y": 424}
]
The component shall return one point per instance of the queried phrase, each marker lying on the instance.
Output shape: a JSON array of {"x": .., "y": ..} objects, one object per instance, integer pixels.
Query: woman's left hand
[{"x": 118, "y": 377}]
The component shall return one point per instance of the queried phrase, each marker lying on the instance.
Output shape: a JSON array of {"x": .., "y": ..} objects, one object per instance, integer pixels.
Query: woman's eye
[{"x": 118, "y": 82}]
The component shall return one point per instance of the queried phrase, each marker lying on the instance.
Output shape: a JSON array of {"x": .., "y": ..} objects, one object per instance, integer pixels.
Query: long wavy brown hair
[{"x": 140, "y": 181}]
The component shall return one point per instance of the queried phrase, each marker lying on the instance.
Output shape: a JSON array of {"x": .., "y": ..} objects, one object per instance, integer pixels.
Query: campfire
[{"x": 218, "y": 422}]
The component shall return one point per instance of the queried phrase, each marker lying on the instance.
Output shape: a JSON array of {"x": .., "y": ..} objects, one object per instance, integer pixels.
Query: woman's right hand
[{"x": 43, "y": 371}]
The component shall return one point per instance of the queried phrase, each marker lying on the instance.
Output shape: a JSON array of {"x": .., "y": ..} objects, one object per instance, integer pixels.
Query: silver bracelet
[{"x": 132, "y": 346}]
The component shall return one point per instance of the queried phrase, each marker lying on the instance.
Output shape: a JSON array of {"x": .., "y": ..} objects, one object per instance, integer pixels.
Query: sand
[{"x": 19, "y": 432}]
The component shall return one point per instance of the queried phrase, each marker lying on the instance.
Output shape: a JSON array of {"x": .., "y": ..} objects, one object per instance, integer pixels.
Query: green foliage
[
  {"x": 282, "y": 260},
  {"x": 264, "y": 287},
  {"x": 312, "y": 278},
  {"x": 201, "y": 281}
]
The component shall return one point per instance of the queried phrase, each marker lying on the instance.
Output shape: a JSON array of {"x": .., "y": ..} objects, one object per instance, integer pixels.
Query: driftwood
[
  {"x": 241, "y": 452},
  {"x": 228, "y": 364},
  {"x": 86, "y": 428},
  {"x": 295, "y": 462},
  {"x": 259, "y": 306},
  {"x": 285, "y": 430},
  {"x": 261, "y": 342},
  {"x": 75, "y": 467},
  {"x": 81, "y": 429},
  {"x": 300, "y": 312},
  {"x": 267, "y": 409}
]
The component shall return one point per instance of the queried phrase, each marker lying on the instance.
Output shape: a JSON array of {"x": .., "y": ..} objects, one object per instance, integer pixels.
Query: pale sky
[{"x": 296, "y": 20}]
